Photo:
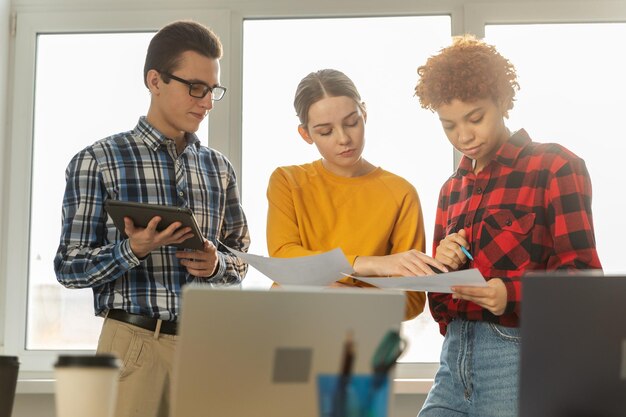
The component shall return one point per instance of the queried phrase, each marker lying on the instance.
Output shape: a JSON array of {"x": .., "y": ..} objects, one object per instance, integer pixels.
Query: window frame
[
  {"x": 17, "y": 221},
  {"x": 478, "y": 15},
  {"x": 225, "y": 128}
]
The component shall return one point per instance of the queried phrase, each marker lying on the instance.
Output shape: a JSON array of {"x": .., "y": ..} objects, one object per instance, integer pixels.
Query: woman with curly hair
[{"x": 512, "y": 206}]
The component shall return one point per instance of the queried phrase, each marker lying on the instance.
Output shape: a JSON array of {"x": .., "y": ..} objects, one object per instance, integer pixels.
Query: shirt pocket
[{"x": 506, "y": 238}]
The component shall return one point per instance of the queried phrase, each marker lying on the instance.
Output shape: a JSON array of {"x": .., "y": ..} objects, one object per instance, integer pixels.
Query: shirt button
[
  {"x": 468, "y": 224},
  {"x": 180, "y": 193},
  {"x": 479, "y": 190},
  {"x": 508, "y": 222}
]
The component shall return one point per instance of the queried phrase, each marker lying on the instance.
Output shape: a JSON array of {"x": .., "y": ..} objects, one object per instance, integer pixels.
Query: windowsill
[
  {"x": 412, "y": 385},
  {"x": 400, "y": 385},
  {"x": 35, "y": 386}
]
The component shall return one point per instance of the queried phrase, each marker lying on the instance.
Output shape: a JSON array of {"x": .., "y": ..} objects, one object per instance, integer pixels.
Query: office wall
[
  {"x": 287, "y": 6},
  {"x": 5, "y": 7}
]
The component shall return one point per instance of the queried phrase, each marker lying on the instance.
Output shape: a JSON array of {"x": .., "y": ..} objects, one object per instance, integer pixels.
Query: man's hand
[
  {"x": 200, "y": 263},
  {"x": 145, "y": 240}
]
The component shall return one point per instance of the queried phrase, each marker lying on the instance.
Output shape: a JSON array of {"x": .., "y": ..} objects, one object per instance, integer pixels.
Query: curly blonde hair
[{"x": 467, "y": 70}]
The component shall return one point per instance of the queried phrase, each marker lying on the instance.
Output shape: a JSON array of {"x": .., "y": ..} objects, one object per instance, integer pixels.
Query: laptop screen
[
  {"x": 573, "y": 361},
  {"x": 260, "y": 353}
]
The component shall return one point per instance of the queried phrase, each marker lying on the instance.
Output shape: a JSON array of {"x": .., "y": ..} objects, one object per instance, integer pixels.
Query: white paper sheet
[
  {"x": 431, "y": 283},
  {"x": 314, "y": 270}
]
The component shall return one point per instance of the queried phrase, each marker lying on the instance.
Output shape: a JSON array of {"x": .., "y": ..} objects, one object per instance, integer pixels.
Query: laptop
[
  {"x": 573, "y": 360},
  {"x": 245, "y": 353}
]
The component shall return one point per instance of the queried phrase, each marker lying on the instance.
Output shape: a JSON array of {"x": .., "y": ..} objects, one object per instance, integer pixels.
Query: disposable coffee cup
[
  {"x": 9, "y": 367},
  {"x": 86, "y": 385}
]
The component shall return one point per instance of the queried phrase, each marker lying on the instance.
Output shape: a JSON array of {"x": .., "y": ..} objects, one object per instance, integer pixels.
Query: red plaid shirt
[{"x": 529, "y": 209}]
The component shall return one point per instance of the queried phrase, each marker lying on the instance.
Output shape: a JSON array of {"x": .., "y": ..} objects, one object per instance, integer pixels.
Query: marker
[
  {"x": 348, "y": 357},
  {"x": 465, "y": 251},
  {"x": 341, "y": 393}
]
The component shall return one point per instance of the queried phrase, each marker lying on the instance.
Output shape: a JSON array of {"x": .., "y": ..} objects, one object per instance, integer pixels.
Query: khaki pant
[{"x": 145, "y": 376}]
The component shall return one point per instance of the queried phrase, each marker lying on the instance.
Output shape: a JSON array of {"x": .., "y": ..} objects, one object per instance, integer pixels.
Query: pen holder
[{"x": 358, "y": 396}]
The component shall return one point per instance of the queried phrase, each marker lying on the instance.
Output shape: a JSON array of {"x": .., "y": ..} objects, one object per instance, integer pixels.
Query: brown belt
[{"x": 148, "y": 323}]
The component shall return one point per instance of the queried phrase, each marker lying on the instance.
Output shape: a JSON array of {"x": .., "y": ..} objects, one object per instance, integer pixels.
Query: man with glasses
[{"x": 137, "y": 277}]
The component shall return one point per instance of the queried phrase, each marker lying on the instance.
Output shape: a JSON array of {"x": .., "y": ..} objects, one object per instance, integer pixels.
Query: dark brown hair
[{"x": 171, "y": 41}]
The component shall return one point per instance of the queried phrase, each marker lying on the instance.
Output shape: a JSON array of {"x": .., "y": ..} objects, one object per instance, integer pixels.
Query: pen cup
[{"x": 360, "y": 396}]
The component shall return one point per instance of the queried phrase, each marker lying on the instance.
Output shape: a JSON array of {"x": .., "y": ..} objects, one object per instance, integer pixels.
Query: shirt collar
[
  {"x": 506, "y": 155},
  {"x": 154, "y": 139}
]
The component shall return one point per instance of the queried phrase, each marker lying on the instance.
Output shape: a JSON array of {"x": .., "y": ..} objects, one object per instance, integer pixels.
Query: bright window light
[
  {"x": 572, "y": 89},
  {"x": 88, "y": 86},
  {"x": 381, "y": 55}
]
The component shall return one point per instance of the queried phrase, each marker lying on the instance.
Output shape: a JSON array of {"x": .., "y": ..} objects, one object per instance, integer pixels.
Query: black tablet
[{"x": 142, "y": 213}]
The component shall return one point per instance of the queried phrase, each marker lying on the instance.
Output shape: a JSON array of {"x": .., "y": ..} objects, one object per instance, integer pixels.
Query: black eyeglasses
[{"x": 200, "y": 90}]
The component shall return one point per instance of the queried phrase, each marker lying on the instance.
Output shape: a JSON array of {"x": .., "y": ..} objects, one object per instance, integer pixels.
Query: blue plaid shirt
[{"x": 143, "y": 166}]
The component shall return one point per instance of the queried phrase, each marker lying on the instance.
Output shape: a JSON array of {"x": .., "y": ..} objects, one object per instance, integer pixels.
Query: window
[
  {"x": 400, "y": 136},
  {"x": 89, "y": 97},
  {"x": 72, "y": 87},
  {"x": 575, "y": 97}
]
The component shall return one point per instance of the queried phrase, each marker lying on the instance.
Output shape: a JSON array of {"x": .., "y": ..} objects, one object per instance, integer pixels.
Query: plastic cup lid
[
  {"x": 9, "y": 360},
  {"x": 97, "y": 361}
]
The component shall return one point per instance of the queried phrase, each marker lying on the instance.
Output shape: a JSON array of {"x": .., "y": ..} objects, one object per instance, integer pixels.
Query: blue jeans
[{"x": 479, "y": 372}]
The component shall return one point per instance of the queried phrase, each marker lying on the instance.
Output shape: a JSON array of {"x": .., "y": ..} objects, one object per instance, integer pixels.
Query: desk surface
[{"x": 45, "y": 385}]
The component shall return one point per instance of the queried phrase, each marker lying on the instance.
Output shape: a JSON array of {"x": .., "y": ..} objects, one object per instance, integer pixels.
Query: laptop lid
[
  {"x": 258, "y": 353},
  {"x": 573, "y": 360}
]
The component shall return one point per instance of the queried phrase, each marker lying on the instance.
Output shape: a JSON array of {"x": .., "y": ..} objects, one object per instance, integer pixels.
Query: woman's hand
[
  {"x": 493, "y": 297},
  {"x": 449, "y": 250},
  {"x": 409, "y": 263}
]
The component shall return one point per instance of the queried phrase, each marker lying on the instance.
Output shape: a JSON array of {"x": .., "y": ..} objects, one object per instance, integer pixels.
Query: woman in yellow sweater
[{"x": 342, "y": 200}]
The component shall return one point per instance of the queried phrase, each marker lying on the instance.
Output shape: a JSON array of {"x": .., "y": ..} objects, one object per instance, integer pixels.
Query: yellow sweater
[{"x": 312, "y": 211}]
